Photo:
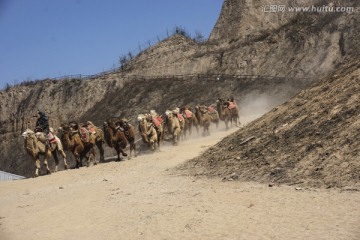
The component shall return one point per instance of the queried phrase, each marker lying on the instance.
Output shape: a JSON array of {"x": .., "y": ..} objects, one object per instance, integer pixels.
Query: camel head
[
  {"x": 27, "y": 133},
  {"x": 108, "y": 124},
  {"x": 141, "y": 118},
  {"x": 169, "y": 114},
  {"x": 203, "y": 109},
  {"x": 74, "y": 125},
  {"x": 153, "y": 112}
]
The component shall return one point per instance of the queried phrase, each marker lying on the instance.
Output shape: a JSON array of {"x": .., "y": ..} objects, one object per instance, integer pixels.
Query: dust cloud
[{"x": 255, "y": 105}]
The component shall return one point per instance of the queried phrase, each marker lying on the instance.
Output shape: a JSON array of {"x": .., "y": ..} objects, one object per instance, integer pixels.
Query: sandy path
[{"x": 144, "y": 198}]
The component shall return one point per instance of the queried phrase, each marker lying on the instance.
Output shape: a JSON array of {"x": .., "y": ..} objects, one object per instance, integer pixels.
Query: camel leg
[
  {"x": 175, "y": 139},
  {"x": 56, "y": 159},
  {"x": 37, "y": 165},
  {"x": 119, "y": 150},
  {"x": 118, "y": 154},
  {"x": 123, "y": 153},
  {"x": 78, "y": 160},
  {"x": 197, "y": 129},
  {"x": 91, "y": 156},
  {"x": 133, "y": 148},
  {"x": 46, "y": 165},
  {"x": 99, "y": 144},
  {"x": 152, "y": 144},
  {"x": 62, "y": 153},
  {"x": 158, "y": 144}
]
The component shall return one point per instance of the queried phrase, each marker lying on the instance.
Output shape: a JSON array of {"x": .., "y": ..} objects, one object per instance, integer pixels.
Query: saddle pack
[
  {"x": 157, "y": 120},
  {"x": 232, "y": 105},
  {"x": 211, "y": 110},
  {"x": 84, "y": 134},
  {"x": 91, "y": 130},
  {"x": 188, "y": 114},
  {"x": 180, "y": 117}
]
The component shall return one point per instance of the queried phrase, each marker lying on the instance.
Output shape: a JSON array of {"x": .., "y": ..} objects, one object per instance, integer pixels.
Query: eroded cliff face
[
  {"x": 245, "y": 41},
  {"x": 249, "y": 39}
]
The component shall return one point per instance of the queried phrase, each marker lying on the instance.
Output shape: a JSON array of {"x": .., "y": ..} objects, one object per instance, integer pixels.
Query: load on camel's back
[{"x": 84, "y": 134}]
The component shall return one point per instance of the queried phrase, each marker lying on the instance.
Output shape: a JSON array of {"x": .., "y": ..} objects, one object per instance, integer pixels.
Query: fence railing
[{"x": 199, "y": 77}]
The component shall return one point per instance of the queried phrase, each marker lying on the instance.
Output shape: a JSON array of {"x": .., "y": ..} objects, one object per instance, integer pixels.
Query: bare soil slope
[{"x": 311, "y": 140}]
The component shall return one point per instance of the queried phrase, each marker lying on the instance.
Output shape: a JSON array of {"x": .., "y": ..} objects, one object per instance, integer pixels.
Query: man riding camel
[{"x": 42, "y": 123}]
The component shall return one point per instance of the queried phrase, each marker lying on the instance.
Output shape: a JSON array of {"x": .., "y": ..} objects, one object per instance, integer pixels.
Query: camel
[
  {"x": 173, "y": 126},
  {"x": 158, "y": 122},
  {"x": 71, "y": 140},
  {"x": 224, "y": 112},
  {"x": 228, "y": 111},
  {"x": 115, "y": 138},
  {"x": 203, "y": 116},
  {"x": 214, "y": 115},
  {"x": 35, "y": 148},
  {"x": 129, "y": 131},
  {"x": 190, "y": 120},
  {"x": 148, "y": 132},
  {"x": 181, "y": 119},
  {"x": 99, "y": 138}
]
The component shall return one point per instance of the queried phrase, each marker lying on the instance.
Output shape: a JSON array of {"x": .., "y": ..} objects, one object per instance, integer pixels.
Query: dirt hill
[
  {"x": 245, "y": 41},
  {"x": 311, "y": 140}
]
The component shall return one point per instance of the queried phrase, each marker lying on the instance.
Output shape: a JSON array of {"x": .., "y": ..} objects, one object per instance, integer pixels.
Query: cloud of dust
[{"x": 255, "y": 105}]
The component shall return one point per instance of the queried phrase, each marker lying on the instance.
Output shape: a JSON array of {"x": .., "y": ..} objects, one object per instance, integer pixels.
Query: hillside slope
[{"x": 312, "y": 139}]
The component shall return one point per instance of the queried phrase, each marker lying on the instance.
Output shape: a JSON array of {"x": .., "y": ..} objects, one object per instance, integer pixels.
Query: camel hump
[
  {"x": 84, "y": 134},
  {"x": 232, "y": 105},
  {"x": 157, "y": 121},
  {"x": 211, "y": 109},
  {"x": 180, "y": 117},
  {"x": 188, "y": 113},
  {"x": 92, "y": 130}
]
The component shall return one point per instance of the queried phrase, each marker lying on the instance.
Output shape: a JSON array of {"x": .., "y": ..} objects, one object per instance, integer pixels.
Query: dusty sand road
[{"x": 144, "y": 198}]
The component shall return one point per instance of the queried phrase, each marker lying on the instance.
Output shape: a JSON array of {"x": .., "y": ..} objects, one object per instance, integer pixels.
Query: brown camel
[
  {"x": 234, "y": 111},
  {"x": 158, "y": 123},
  {"x": 128, "y": 129},
  {"x": 99, "y": 138},
  {"x": 203, "y": 116},
  {"x": 181, "y": 119},
  {"x": 190, "y": 120},
  {"x": 72, "y": 141},
  {"x": 147, "y": 132},
  {"x": 224, "y": 112},
  {"x": 214, "y": 115},
  {"x": 173, "y": 126},
  {"x": 115, "y": 138},
  {"x": 35, "y": 148},
  {"x": 229, "y": 111}
]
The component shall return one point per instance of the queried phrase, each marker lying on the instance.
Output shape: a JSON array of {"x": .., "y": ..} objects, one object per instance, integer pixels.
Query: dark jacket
[{"x": 43, "y": 122}]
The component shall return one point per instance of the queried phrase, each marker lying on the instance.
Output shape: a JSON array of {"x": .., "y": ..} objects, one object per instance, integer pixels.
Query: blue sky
[{"x": 53, "y": 38}]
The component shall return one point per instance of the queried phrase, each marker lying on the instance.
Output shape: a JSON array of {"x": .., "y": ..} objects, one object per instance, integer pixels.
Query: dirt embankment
[{"x": 311, "y": 140}]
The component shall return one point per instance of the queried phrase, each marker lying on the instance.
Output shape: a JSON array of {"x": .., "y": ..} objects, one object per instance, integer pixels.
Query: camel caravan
[{"x": 151, "y": 130}]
